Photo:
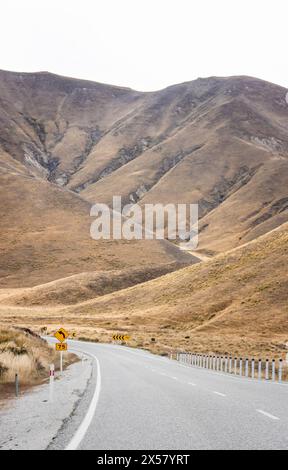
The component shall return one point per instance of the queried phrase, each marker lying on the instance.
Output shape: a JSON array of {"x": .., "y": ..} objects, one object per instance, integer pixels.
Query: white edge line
[
  {"x": 220, "y": 394},
  {"x": 268, "y": 415},
  {"x": 83, "y": 428}
]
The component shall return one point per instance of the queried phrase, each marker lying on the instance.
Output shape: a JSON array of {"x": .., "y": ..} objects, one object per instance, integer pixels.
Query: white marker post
[
  {"x": 253, "y": 369},
  {"x": 267, "y": 370},
  {"x": 247, "y": 368},
  {"x": 273, "y": 370},
  {"x": 51, "y": 382},
  {"x": 240, "y": 367},
  {"x": 280, "y": 370},
  {"x": 260, "y": 369},
  {"x": 221, "y": 364},
  {"x": 235, "y": 366}
]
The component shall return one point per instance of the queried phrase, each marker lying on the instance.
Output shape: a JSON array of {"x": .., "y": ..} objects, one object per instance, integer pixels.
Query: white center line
[
  {"x": 220, "y": 394},
  {"x": 175, "y": 378},
  {"x": 268, "y": 415},
  {"x": 191, "y": 383}
]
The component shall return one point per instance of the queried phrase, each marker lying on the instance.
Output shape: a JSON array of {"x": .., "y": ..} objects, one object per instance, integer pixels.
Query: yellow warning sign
[
  {"x": 121, "y": 337},
  {"x": 61, "y": 335},
  {"x": 61, "y": 346}
]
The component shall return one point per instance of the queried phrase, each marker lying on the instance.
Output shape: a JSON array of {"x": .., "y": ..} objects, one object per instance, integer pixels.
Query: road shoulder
[{"x": 32, "y": 422}]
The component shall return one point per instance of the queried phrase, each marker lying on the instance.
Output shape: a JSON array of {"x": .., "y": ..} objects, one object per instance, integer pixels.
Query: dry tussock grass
[
  {"x": 235, "y": 303},
  {"x": 25, "y": 353}
]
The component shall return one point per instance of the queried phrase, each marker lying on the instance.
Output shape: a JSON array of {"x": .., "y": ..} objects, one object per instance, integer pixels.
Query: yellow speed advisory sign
[
  {"x": 121, "y": 337},
  {"x": 61, "y": 335},
  {"x": 61, "y": 346}
]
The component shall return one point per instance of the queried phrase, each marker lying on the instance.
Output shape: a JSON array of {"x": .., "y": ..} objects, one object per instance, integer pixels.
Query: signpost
[{"x": 61, "y": 335}]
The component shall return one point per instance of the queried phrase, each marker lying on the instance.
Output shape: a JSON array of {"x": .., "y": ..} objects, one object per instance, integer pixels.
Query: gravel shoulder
[{"x": 32, "y": 422}]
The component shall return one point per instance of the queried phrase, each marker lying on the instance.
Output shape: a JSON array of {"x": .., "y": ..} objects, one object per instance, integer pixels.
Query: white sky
[{"x": 146, "y": 44}]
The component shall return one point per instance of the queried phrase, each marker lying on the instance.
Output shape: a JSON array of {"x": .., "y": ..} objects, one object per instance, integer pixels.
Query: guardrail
[{"x": 274, "y": 370}]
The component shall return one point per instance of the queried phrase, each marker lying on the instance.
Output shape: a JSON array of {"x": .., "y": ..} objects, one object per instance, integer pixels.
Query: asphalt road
[{"x": 140, "y": 401}]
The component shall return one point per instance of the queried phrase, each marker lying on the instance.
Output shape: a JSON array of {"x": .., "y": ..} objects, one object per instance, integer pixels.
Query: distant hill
[
  {"x": 221, "y": 142},
  {"x": 235, "y": 303}
]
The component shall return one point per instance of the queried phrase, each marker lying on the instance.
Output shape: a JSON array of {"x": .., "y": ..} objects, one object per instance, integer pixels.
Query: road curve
[{"x": 141, "y": 401}]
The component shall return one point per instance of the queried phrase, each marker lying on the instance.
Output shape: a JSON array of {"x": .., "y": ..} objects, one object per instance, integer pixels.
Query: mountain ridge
[{"x": 218, "y": 142}]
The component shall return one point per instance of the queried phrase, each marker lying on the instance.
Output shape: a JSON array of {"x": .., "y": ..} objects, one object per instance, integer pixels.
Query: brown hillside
[
  {"x": 235, "y": 303},
  {"x": 221, "y": 142},
  {"x": 45, "y": 235},
  {"x": 84, "y": 286}
]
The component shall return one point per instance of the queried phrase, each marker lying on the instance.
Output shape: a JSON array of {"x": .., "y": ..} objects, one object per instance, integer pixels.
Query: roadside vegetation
[{"x": 25, "y": 353}]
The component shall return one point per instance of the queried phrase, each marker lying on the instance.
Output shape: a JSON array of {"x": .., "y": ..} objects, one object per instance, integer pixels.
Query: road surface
[{"x": 140, "y": 401}]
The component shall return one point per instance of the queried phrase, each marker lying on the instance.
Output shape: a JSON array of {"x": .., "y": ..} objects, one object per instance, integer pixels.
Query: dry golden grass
[
  {"x": 25, "y": 353},
  {"x": 235, "y": 303},
  {"x": 84, "y": 286},
  {"x": 45, "y": 235}
]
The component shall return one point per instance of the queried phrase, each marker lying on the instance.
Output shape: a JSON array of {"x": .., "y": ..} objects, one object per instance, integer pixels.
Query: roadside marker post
[
  {"x": 267, "y": 370},
  {"x": 280, "y": 370},
  {"x": 16, "y": 385},
  {"x": 260, "y": 369},
  {"x": 273, "y": 370},
  {"x": 247, "y": 368},
  {"x": 253, "y": 369},
  {"x": 51, "y": 382},
  {"x": 240, "y": 367}
]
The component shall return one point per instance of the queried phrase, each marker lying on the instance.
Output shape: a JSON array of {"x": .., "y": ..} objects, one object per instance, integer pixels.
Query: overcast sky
[{"x": 146, "y": 44}]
